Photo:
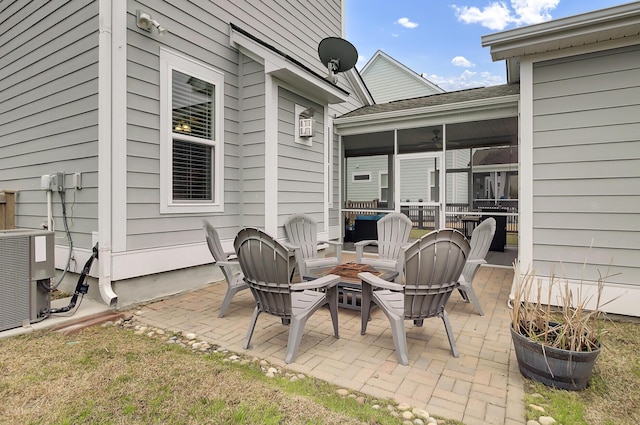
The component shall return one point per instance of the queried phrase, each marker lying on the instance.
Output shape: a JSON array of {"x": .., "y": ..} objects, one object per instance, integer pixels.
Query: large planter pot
[{"x": 568, "y": 370}]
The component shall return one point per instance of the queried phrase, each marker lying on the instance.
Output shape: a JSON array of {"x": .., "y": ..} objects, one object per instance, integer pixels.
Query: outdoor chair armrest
[
  {"x": 334, "y": 243},
  {"x": 289, "y": 245},
  {"x": 327, "y": 281},
  {"x": 476, "y": 261},
  {"x": 366, "y": 242},
  {"x": 375, "y": 281},
  {"x": 338, "y": 248},
  {"x": 230, "y": 262},
  {"x": 360, "y": 248},
  {"x": 231, "y": 255}
]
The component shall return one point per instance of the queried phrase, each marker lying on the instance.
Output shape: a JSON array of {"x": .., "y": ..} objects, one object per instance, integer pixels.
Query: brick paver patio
[{"x": 482, "y": 386}]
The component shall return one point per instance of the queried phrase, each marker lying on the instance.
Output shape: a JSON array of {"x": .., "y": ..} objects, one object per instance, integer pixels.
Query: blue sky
[{"x": 441, "y": 39}]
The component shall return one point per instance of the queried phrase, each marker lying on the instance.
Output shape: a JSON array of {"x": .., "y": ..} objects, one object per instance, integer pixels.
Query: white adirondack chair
[
  {"x": 229, "y": 265},
  {"x": 393, "y": 237},
  {"x": 433, "y": 264},
  {"x": 265, "y": 264},
  {"x": 302, "y": 232},
  {"x": 480, "y": 242}
]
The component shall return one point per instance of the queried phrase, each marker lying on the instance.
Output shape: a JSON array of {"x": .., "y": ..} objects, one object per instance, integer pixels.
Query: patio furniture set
[{"x": 406, "y": 280}]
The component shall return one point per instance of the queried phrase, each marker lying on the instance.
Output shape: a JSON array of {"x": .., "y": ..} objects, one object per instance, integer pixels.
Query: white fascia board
[
  {"x": 491, "y": 108},
  {"x": 279, "y": 67},
  {"x": 359, "y": 86},
  {"x": 588, "y": 28}
]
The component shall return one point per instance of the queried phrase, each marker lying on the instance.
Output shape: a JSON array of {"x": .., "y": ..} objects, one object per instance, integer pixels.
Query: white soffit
[{"x": 287, "y": 71}]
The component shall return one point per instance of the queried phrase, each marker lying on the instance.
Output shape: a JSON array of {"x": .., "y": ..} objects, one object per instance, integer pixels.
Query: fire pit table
[{"x": 350, "y": 286}]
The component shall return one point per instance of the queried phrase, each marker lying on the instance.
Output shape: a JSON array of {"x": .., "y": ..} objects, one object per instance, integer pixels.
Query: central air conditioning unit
[{"x": 26, "y": 267}]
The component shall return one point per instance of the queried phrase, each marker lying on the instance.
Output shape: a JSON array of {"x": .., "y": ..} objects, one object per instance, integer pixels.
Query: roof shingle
[{"x": 437, "y": 99}]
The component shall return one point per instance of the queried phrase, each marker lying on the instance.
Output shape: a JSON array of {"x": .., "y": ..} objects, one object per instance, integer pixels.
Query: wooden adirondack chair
[
  {"x": 393, "y": 237},
  {"x": 433, "y": 265},
  {"x": 265, "y": 264},
  {"x": 228, "y": 263},
  {"x": 480, "y": 242},
  {"x": 302, "y": 232}
]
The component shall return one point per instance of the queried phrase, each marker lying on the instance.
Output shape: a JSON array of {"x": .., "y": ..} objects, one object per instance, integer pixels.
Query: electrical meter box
[{"x": 26, "y": 268}]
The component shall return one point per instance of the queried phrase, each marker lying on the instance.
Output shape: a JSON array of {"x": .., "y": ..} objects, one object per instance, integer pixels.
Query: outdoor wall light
[{"x": 145, "y": 21}]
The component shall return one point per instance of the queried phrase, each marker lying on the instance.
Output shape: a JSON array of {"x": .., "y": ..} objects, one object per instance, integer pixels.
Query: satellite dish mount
[{"x": 338, "y": 55}]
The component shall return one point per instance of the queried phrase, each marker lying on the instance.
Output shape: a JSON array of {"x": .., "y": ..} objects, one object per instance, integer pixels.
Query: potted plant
[{"x": 557, "y": 346}]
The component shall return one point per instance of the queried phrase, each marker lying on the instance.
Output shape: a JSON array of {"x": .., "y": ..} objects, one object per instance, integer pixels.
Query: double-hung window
[{"x": 192, "y": 149}]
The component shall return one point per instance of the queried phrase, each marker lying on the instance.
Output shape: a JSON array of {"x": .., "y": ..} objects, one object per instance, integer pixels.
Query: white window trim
[
  {"x": 380, "y": 187},
  {"x": 169, "y": 61},
  {"x": 360, "y": 173}
]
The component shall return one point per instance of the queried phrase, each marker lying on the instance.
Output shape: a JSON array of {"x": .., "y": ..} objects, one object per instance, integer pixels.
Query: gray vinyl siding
[
  {"x": 49, "y": 89},
  {"x": 415, "y": 180},
  {"x": 405, "y": 86},
  {"x": 200, "y": 29},
  {"x": 200, "y": 34},
  {"x": 586, "y": 165},
  {"x": 457, "y": 187},
  {"x": 363, "y": 190},
  {"x": 49, "y": 110},
  {"x": 300, "y": 167}
]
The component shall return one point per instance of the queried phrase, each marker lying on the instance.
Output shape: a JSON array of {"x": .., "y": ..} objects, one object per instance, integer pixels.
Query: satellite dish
[{"x": 338, "y": 55}]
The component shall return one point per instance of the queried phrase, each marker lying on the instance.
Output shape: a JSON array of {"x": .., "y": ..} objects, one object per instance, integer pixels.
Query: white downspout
[{"x": 104, "y": 152}]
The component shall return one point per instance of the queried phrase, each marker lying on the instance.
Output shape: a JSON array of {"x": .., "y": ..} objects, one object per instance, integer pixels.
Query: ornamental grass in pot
[{"x": 556, "y": 345}]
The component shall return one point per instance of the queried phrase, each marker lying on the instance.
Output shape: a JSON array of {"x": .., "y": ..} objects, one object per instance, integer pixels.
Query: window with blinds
[
  {"x": 192, "y": 123},
  {"x": 192, "y": 127}
]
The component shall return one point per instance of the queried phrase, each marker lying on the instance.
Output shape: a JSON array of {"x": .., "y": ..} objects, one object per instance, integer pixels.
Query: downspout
[{"x": 104, "y": 151}]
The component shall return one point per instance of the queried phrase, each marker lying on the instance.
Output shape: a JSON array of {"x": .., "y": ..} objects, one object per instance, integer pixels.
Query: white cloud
[
  {"x": 462, "y": 61},
  {"x": 394, "y": 35},
  {"x": 533, "y": 11},
  {"x": 466, "y": 80},
  {"x": 405, "y": 22},
  {"x": 497, "y": 15}
]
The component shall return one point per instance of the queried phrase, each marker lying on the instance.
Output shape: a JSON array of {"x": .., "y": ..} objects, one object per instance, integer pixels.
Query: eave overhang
[
  {"x": 285, "y": 68},
  {"x": 588, "y": 28}
]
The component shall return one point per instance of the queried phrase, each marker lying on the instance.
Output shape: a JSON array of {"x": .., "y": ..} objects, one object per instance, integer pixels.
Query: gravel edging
[{"x": 408, "y": 414}]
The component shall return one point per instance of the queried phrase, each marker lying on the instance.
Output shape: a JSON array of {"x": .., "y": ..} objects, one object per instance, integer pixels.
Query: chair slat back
[
  {"x": 302, "y": 230},
  {"x": 215, "y": 247},
  {"x": 393, "y": 232},
  {"x": 481, "y": 239},
  {"x": 433, "y": 265},
  {"x": 265, "y": 264}
]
